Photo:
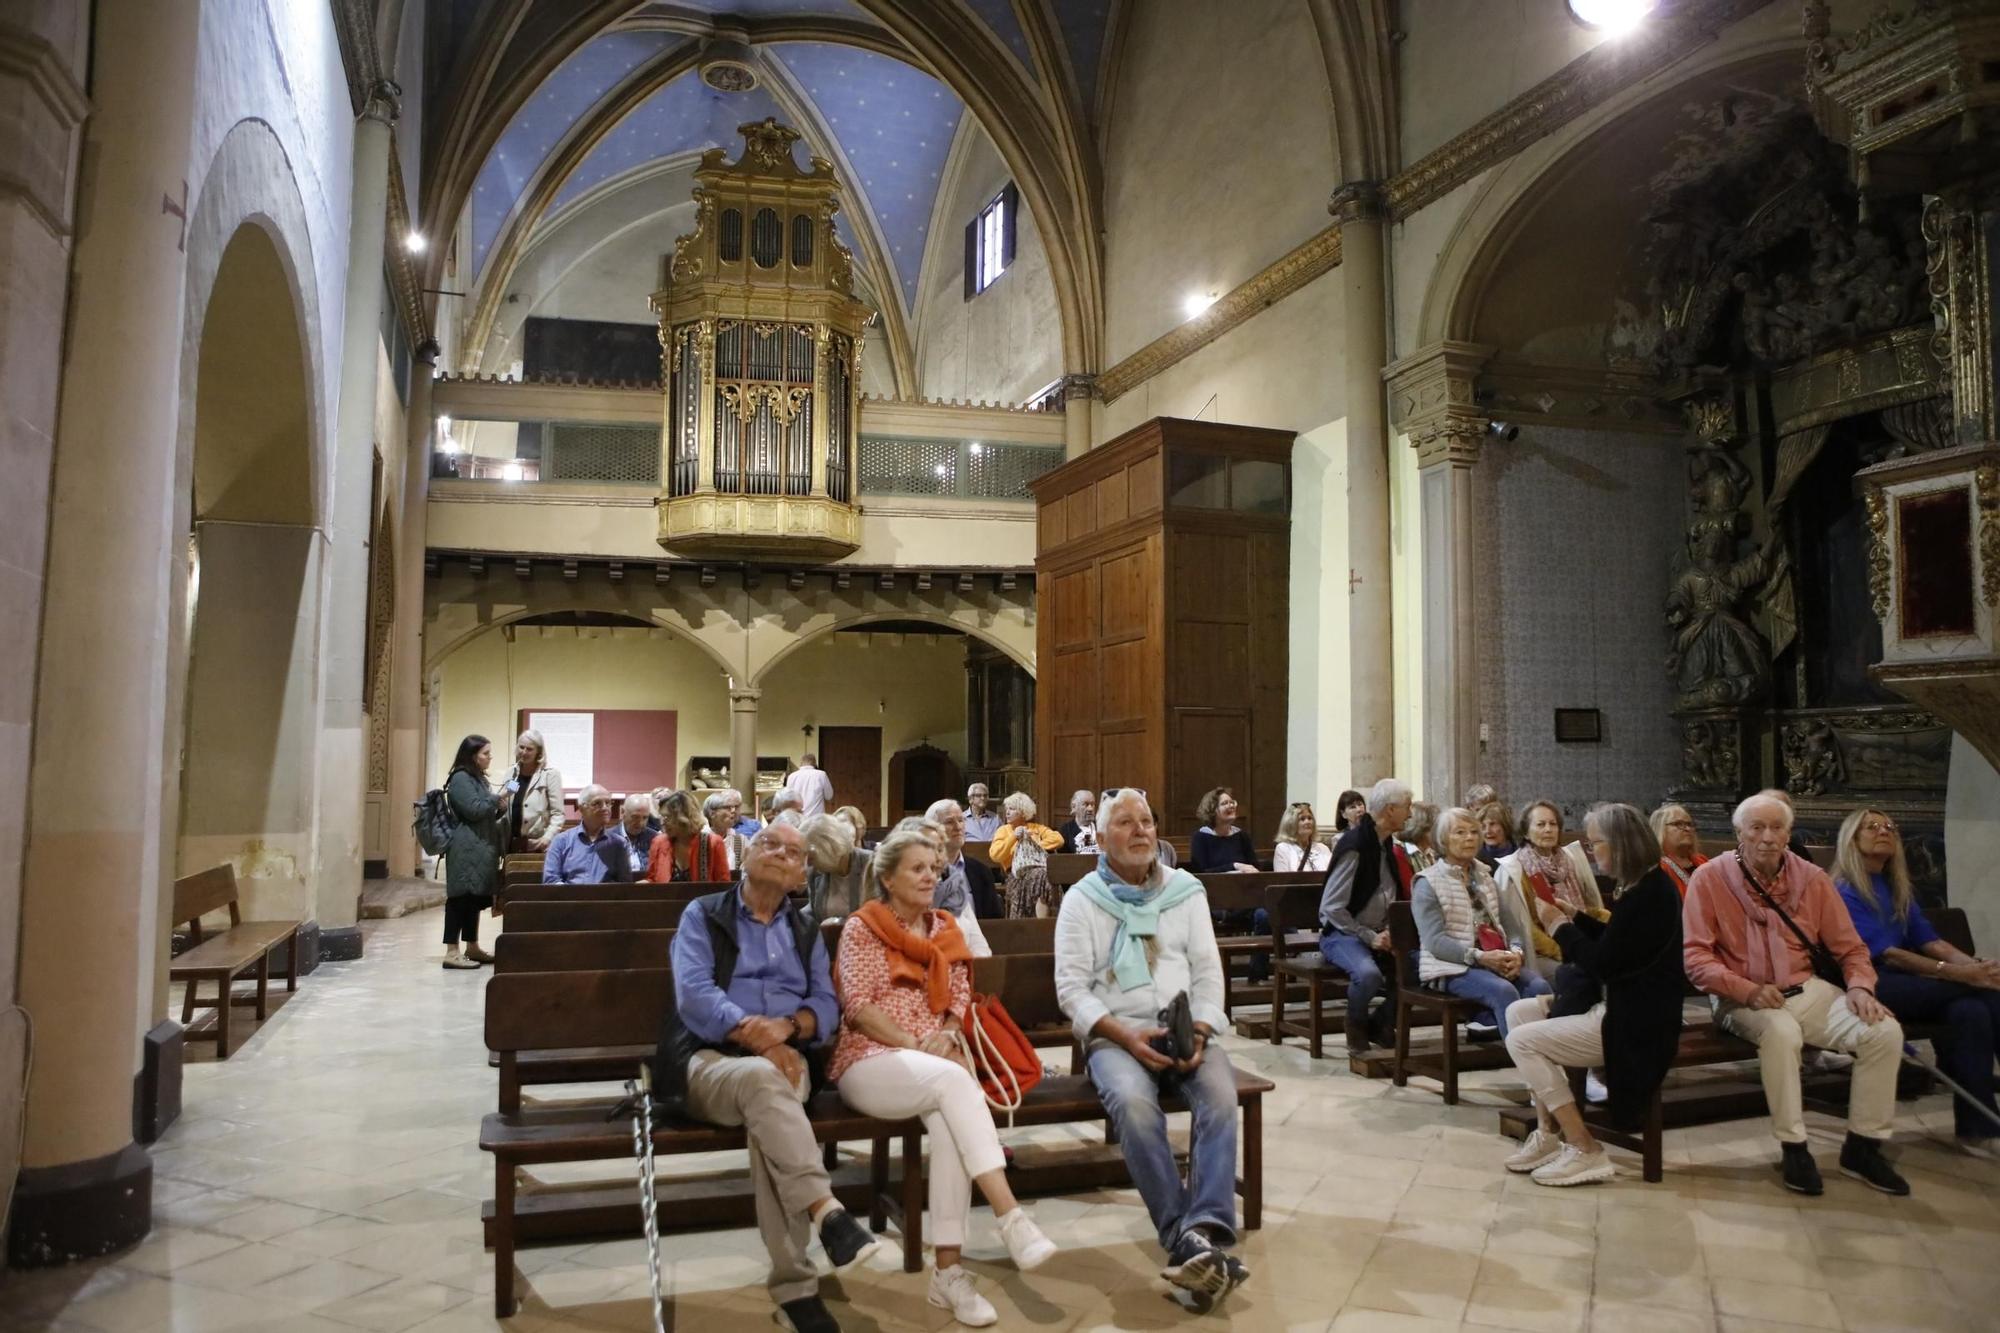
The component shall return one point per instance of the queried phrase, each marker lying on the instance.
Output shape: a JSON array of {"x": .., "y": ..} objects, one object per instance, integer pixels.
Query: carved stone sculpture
[
  {"x": 1813, "y": 764},
  {"x": 1716, "y": 658},
  {"x": 1710, "y": 753}
]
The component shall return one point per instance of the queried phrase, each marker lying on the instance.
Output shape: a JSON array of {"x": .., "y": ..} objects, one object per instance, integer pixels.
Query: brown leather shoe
[{"x": 477, "y": 954}]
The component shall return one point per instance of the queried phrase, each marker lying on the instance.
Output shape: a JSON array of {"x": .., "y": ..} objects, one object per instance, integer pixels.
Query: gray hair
[
  {"x": 1741, "y": 814},
  {"x": 636, "y": 802},
  {"x": 1633, "y": 848},
  {"x": 1077, "y": 799},
  {"x": 1387, "y": 792},
  {"x": 589, "y": 794},
  {"x": 829, "y": 844},
  {"x": 715, "y": 800},
  {"x": 977, "y": 787},
  {"x": 1018, "y": 803},
  {"x": 890, "y": 851},
  {"x": 939, "y": 809},
  {"x": 534, "y": 738},
  {"x": 1423, "y": 822},
  {"x": 1660, "y": 817},
  {"x": 1125, "y": 796},
  {"x": 786, "y": 820},
  {"x": 1447, "y": 824},
  {"x": 786, "y": 799}
]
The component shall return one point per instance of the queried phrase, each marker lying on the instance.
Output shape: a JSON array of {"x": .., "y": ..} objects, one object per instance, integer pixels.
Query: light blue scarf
[{"x": 1138, "y": 911}]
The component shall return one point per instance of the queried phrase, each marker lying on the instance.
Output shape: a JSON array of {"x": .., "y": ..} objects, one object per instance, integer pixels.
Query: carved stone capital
[
  {"x": 1081, "y": 385},
  {"x": 385, "y": 102},
  {"x": 1356, "y": 201},
  {"x": 1432, "y": 396}
]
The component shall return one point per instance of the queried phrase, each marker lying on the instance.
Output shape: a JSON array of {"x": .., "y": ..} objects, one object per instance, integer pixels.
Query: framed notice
[
  {"x": 1579, "y": 726},
  {"x": 572, "y": 745}
]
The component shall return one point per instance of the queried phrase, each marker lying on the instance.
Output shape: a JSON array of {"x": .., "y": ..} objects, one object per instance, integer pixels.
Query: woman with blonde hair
[
  {"x": 857, "y": 822},
  {"x": 1474, "y": 942},
  {"x": 1680, "y": 844},
  {"x": 687, "y": 849},
  {"x": 1544, "y": 867},
  {"x": 1496, "y": 832},
  {"x": 1420, "y": 836},
  {"x": 905, "y": 986},
  {"x": 1021, "y": 848},
  {"x": 537, "y": 813},
  {"x": 1299, "y": 849},
  {"x": 1919, "y": 977}
]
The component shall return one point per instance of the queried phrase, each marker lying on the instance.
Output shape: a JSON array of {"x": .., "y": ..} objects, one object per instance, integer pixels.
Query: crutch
[
  {"x": 640, "y": 1092},
  {"x": 1910, "y": 1055}
]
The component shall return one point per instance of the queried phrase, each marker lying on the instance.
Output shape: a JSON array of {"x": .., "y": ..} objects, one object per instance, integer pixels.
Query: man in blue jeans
[
  {"x": 1131, "y": 937},
  {"x": 1370, "y": 871}
]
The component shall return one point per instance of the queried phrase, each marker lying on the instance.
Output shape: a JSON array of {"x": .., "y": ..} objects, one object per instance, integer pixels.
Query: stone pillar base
[
  {"x": 338, "y": 944},
  {"x": 156, "y": 1093},
  {"x": 81, "y": 1210}
]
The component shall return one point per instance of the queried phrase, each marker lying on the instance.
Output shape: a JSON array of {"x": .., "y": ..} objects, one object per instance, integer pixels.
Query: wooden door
[{"x": 852, "y": 759}]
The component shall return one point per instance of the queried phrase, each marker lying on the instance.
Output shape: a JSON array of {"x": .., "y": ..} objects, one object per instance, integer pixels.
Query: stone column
[
  {"x": 343, "y": 741},
  {"x": 1079, "y": 391},
  {"x": 90, "y": 940},
  {"x": 1432, "y": 396},
  {"x": 406, "y": 672},
  {"x": 743, "y": 744},
  {"x": 1371, "y": 691}
]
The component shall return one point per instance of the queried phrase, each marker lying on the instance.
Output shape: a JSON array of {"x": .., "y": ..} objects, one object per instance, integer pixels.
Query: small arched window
[
  {"x": 802, "y": 240},
  {"x": 767, "y": 238}
]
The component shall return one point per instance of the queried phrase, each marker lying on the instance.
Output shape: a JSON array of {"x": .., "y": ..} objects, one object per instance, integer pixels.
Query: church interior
[{"x": 1461, "y": 410}]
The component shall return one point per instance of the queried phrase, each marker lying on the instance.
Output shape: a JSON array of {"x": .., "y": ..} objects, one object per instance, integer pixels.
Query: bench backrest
[
  {"x": 685, "y": 891},
  {"x": 581, "y": 950},
  {"x": 1293, "y": 907},
  {"x": 205, "y": 891},
  {"x": 1404, "y": 940},
  {"x": 645, "y": 914},
  {"x": 1066, "y": 868},
  {"x": 1241, "y": 891},
  {"x": 1952, "y": 927},
  {"x": 543, "y": 1011},
  {"x": 1024, "y": 983},
  {"x": 1020, "y": 934}
]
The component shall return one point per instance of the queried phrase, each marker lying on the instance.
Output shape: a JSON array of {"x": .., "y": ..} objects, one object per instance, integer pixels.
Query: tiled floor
[{"x": 326, "y": 1178}]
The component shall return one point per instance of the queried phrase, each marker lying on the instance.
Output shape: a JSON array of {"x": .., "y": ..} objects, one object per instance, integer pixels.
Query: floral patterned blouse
[{"x": 861, "y": 976}]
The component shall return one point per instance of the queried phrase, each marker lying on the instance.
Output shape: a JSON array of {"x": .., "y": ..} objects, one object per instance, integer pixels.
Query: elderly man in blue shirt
[
  {"x": 754, "y": 1008},
  {"x": 595, "y": 851}
]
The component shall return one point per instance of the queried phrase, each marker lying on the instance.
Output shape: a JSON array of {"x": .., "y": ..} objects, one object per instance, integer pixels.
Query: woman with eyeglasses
[
  {"x": 1919, "y": 977},
  {"x": 1680, "y": 844},
  {"x": 1299, "y": 848}
]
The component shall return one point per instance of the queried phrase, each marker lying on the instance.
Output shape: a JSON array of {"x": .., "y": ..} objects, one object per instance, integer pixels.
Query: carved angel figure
[{"x": 1717, "y": 658}]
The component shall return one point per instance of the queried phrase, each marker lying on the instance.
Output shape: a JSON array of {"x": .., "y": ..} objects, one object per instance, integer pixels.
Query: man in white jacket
[{"x": 1130, "y": 938}]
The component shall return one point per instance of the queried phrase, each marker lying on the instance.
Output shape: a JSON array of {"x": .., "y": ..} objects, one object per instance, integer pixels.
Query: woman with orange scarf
[{"x": 904, "y": 977}]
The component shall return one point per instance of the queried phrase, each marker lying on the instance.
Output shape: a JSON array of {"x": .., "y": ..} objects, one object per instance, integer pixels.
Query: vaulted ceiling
[{"x": 540, "y": 106}]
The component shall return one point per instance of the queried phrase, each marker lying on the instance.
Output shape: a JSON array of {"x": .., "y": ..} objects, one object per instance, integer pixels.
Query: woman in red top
[
  {"x": 687, "y": 849},
  {"x": 904, "y": 977},
  {"x": 1680, "y": 844}
]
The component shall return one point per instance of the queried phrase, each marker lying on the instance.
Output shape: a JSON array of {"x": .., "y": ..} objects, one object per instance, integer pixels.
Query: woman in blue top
[{"x": 1921, "y": 978}]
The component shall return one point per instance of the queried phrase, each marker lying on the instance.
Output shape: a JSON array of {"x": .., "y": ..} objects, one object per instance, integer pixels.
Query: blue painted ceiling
[{"x": 1084, "y": 24}]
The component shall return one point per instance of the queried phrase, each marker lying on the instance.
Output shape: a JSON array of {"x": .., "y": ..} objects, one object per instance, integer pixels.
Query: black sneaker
[
  {"x": 808, "y": 1314},
  {"x": 1238, "y": 1274},
  {"x": 845, "y": 1240},
  {"x": 1801, "y": 1173},
  {"x": 1861, "y": 1157},
  {"x": 1196, "y": 1265}
]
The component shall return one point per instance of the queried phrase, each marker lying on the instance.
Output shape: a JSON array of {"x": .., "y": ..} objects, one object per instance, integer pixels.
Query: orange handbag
[{"x": 1002, "y": 1058}]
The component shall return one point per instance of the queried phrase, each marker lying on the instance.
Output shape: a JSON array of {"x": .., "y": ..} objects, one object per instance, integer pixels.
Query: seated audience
[
  {"x": 1680, "y": 845},
  {"x": 1370, "y": 871},
  {"x": 782, "y": 800},
  {"x": 747, "y": 822},
  {"x": 594, "y": 852},
  {"x": 965, "y": 884},
  {"x": 1220, "y": 844},
  {"x": 1632, "y": 1030},
  {"x": 536, "y": 813},
  {"x": 719, "y": 810},
  {"x": 1131, "y": 938},
  {"x": 1079, "y": 831},
  {"x": 905, "y": 987},
  {"x": 1419, "y": 835},
  {"x": 1299, "y": 850},
  {"x": 1021, "y": 848},
  {"x": 982, "y": 821},
  {"x": 753, "y": 1006},
  {"x": 859, "y": 823},
  {"x": 1543, "y": 867},
  {"x": 836, "y": 870},
  {"x": 1478, "y": 794},
  {"x": 1496, "y": 832},
  {"x": 1752, "y": 924},
  {"x": 687, "y": 849},
  {"x": 1919, "y": 977},
  {"x": 472, "y": 858},
  {"x": 1474, "y": 939},
  {"x": 1347, "y": 811},
  {"x": 636, "y": 822}
]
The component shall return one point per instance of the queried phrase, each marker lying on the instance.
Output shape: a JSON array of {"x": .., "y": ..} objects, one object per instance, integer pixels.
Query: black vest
[
  {"x": 1368, "y": 847},
  {"x": 677, "y": 1045}
]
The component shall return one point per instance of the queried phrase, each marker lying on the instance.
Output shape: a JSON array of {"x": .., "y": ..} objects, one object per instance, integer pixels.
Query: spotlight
[
  {"x": 510, "y": 472},
  {"x": 414, "y": 242},
  {"x": 1197, "y": 302},
  {"x": 1501, "y": 430},
  {"x": 1614, "y": 17}
]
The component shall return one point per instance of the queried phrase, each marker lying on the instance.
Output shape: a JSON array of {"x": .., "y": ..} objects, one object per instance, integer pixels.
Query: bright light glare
[
  {"x": 942, "y": 470},
  {"x": 1615, "y": 17},
  {"x": 510, "y": 472},
  {"x": 414, "y": 242},
  {"x": 977, "y": 447},
  {"x": 1197, "y": 302}
]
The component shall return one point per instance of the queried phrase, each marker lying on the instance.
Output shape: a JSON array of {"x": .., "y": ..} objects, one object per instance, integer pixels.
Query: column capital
[
  {"x": 1080, "y": 385},
  {"x": 1433, "y": 396},
  {"x": 385, "y": 102},
  {"x": 744, "y": 699},
  {"x": 1356, "y": 201}
]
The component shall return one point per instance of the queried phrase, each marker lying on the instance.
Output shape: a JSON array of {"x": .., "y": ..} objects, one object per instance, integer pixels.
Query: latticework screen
[
  {"x": 895, "y": 465},
  {"x": 602, "y": 453}
]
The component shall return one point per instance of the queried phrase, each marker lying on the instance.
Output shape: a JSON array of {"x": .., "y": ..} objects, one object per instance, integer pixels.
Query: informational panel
[{"x": 571, "y": 739}]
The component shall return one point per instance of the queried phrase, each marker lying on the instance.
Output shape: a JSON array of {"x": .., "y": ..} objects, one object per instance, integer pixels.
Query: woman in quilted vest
[
  {"x": 904, "y": 976},
  {"x": 1475, "y": 944}
]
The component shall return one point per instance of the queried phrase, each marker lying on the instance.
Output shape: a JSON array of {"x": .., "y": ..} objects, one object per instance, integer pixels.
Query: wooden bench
[
  {"x": 227, "y": 955},
  {"x": 1294, "y": 912},
  {"x": 1413, "y": 999},
  {"x": 680, "y": 891},
  {"x": 1024, "y": 934},
  {"x": 1240, "y": 893},
  {"x": 543, "y": 915}
]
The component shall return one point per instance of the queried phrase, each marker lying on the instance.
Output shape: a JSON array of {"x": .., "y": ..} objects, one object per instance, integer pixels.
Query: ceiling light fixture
[
  {"x": 414, "y": 242},
  {"x": 1613, "y": 17}
]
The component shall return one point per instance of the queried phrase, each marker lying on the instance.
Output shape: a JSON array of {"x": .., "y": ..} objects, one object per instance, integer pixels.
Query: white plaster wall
[
  {"x": 1006, "y": 342},
  {"x": 1461, "y": 60},
  {"x": 1318, "y": 723},
  {"x": 1972, "y": 842},
  {"x": 1574, "y": 530},
  {"x": 1218, "y": 156},
  {"x": 1406, "y": 598}
]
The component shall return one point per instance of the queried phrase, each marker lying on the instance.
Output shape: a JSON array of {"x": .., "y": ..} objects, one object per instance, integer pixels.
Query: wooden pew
[
  {"x": 1026, "y": 934},
  {"x": 681, "y": 891},
  {"x": 1243, "y": 892},
  {"x": 1294, "y": 913},
  {"x": 1065, "y": 868},
  {"x": 641, "y": 915},
  {"x": 223, "y": 957}
]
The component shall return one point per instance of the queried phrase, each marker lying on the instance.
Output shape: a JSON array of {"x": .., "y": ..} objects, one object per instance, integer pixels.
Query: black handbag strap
[{"x": 1821, "y": 957}]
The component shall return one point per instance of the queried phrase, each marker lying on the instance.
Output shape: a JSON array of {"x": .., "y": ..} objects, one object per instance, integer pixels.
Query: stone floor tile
[{"x": 1750, "y": 1298}]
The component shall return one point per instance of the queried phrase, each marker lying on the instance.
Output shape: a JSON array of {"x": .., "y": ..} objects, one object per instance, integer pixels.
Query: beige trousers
[
  {"x": 1544, "y": 1047},
  {"x": 786, "y": 1173},
  {"x": 1819, "y": 1016}
]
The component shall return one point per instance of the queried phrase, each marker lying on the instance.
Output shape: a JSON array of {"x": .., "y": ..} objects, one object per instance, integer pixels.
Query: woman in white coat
[{"x": 1544, "y": 867}]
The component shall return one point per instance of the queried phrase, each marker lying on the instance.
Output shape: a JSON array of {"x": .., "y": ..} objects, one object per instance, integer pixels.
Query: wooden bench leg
[
  {"x": 187, "y": 1003},
  {"x": 503, "y": 1241},
  {"x": 1277, "y": 1005},
  {"x": 292, "y": 962},
  {"x": 1253, "y": 1164},
  {"x": 913, "y": 1202},
  {"x": 1450, "y": 1070},
  {"x": 1315, "y": 1027},
  {"x": 226, "y": 992},
  {"x": 263, "y": 985},
  {"x": 1400, "y": 1076},
  {"x": 878, "y": 1186},
  {"x": 1653, "y": 1167}
]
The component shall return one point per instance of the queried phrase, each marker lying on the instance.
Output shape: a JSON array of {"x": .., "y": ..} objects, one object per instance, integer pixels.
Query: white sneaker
[
  {"x": 1025, "y": 1241},
  {"x": 952, "y": 1289},
  {"x": 459, "y": 961},
  {"x": 1537, "y": 1149},
  {"x": 1594, "y": 1090},
  {"x": 1575, "y": 1168}
]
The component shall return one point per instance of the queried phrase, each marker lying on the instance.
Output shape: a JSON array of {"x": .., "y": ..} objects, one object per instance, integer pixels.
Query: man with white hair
[
  {"x": 963, "y": 886},
  {"x": 594, "y": 852},
  {"x": 813, "y": 788},
  {"x": 1370, "y": 871},
  {"x": 982, "y": 821},
  {"x": 1766, "y": 935},
  {"x": 1132, "y": 938}
]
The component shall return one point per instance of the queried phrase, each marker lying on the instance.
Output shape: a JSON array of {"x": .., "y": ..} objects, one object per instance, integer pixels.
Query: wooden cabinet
[{"x": 1162, "y": 568}]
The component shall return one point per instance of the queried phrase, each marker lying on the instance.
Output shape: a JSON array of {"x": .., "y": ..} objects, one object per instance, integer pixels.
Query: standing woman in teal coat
[{"x": 472, "y": 857}]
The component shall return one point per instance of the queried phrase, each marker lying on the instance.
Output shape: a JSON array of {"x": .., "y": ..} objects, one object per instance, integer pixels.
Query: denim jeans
[
  {"x": 1131, "y": 1097},
  {"x": 1362, "y": 965},
  {"x": 1494, "y": 991},
  {"x": 1966, "y": 1056}
]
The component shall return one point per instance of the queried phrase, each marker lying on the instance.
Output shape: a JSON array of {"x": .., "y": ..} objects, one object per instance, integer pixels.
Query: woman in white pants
[{"x": 905, "y": 983}]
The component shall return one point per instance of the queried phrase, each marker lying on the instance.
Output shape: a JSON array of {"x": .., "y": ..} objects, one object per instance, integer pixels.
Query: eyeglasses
[
  {"x": 1680, "y": 823},
  {"x": 1879, "y": 826}
]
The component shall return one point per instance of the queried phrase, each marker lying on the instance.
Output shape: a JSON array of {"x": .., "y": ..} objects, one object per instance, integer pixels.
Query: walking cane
[
  {"x": 1910, "y": 1055},
  {"x": 640, "y": 1092}
]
